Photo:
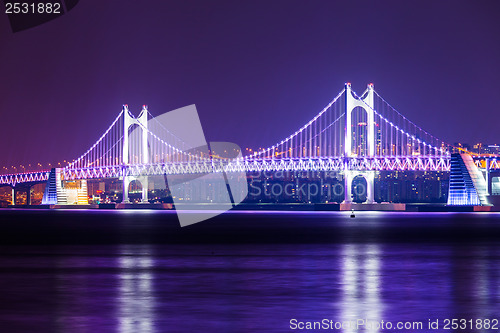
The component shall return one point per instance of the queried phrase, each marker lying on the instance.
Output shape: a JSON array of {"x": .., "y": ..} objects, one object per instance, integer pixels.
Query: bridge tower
[
  {"x": 128, "y": 121},
  {"x": 366, "y": 103}
]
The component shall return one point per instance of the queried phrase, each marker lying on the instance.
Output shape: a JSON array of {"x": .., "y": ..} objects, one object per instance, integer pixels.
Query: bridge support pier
[
  {"x": 126, "y": 183},
  {"x": 28, "y": 196},
  {"x": 369, "y": 176},
  {"x": 488, "y": 177},
  {"x": 491, "y": 176},
  {"x": 145, "y": 187},
  {"x": 17, "y": 189}
]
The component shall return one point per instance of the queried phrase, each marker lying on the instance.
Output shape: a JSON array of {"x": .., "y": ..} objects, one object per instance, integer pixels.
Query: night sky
[{"x": 256, "y": 70}]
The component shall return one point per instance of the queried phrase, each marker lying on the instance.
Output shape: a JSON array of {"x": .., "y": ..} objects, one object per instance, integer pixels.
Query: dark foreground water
[{"x": 138, "y": 271}]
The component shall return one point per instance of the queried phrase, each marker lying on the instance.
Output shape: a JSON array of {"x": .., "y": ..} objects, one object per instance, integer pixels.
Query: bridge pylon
[
  {"x": 128, "y": 121},
  {"x": 366, "y": 103}
]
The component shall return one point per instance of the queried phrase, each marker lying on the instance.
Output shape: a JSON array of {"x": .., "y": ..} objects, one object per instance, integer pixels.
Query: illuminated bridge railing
[
  {"x": 414, "y": 163},
  {"x": 144, "y": 170},
  {"x": 29, "y": 177},
  {"x": 481, "y": 162},
  {"x": 419, "y": 163}
]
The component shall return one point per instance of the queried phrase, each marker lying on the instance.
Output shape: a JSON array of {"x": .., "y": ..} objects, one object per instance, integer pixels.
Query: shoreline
[{"x": 383, "y": 207}]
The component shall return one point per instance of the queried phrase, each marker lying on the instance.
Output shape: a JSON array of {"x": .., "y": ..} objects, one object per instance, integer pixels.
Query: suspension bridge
[{"x": 356, "y": 135}]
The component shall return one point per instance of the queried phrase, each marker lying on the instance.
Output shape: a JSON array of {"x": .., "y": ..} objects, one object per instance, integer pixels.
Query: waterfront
[{"x": 137, "y": 271}]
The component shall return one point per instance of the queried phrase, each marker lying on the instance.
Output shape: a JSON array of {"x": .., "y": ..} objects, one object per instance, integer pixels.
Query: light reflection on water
[
  {"x": 360, "y": 285},
  {"x": 228, "y": 288},
  {"x": 242, "y": 288},
  {"x": 136, "y": 295}
]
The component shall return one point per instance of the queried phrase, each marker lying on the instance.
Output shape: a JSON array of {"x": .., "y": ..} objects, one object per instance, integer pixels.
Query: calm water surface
[{"x": 243, "y": 281}]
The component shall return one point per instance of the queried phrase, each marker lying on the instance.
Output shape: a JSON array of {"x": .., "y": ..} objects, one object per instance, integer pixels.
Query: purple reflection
[
  {"x": 136, "y": 295},
  {"x": 361, "y": 287},
  {"x": 250, "y": 287}
]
